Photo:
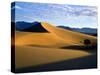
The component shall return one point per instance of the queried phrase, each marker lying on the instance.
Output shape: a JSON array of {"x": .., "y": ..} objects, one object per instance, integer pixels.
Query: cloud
[
  {"x": 16, "y": 7},
  {"x": 74, "y": 10},
  {"x": 83, "y": 11}
]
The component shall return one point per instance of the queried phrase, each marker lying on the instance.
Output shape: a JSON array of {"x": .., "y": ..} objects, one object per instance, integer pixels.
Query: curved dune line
[
  {"x": 31, "y": 56},
  {"x": 67, "y": 35}
]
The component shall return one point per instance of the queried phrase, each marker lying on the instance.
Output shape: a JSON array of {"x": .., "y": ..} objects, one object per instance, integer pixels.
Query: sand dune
[
  {"x": 56, "y": 36},
  {"x": 34, "y": 48},
  {"x": 31, "y": 56},
  {"x": 37, "y": 39},
  {"x": 69, "y": 36}
]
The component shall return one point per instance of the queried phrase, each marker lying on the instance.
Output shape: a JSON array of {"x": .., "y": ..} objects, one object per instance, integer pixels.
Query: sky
[{"x": 76, "y": 16}]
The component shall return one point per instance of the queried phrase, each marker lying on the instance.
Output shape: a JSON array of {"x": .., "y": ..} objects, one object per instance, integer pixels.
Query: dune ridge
[
  {"x": 58, "y": 35},
  {"x": 67, "y": 34}
]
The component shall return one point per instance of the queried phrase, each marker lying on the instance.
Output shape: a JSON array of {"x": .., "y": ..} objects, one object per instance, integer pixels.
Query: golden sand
[{"x": 41, "y": 48}]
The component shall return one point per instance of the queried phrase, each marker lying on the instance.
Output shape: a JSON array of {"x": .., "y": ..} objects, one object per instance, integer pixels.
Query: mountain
[
  {"x": 30, "y": 27},
  {"x": 37, "y": 27},
  {"x": 82, "y": 30},
  {"x": 85, "y": 30},
  {"x": 22, "y": 25},
  {"x": 65, "y": 27}
]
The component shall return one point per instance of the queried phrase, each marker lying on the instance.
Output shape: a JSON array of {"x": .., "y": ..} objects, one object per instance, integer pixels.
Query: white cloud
[
  {"x": 16, "y": 7},
  {"x": 76, "y": 11}
]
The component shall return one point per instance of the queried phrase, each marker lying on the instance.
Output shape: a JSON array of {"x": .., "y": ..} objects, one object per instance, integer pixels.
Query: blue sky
[{"x": 57, "y": 14}]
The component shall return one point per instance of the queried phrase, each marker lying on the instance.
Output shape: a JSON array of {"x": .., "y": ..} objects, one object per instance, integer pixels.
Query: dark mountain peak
[
  {"x": 36, "y": 27},
  {"x": 30, "y": 27}
]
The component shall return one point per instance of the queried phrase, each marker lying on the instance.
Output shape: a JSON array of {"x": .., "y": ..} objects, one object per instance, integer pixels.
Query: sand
[{"x": 34, "y": 49}]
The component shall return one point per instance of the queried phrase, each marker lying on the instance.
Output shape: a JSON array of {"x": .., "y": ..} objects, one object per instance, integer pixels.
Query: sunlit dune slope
[
  {"x": 69, "y": 36},
  {"x": 38, "y": 39},
  {"x": 55, "y": 37},
  {"x": 27, "y": 56}
]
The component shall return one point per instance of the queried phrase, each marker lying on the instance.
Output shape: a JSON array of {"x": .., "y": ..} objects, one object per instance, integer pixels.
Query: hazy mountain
[
  {"x": 64, "y": 27},
  {"x": 22, "y": 25},
  {"x": 82, "y": 30}
]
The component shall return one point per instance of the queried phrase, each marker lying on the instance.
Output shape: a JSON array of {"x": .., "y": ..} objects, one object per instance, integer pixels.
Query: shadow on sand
[
  {"x": 84, "y": 48},
  {"x": 85, "y": 62},
  {"x": 92, "y": 49},
  {"x": 79, "y": 63}
]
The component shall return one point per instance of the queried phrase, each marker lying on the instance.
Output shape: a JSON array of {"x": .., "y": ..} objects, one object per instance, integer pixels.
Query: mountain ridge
[
  {"x": 82, "y": 30},
  {"x": 21, "y": 26}
]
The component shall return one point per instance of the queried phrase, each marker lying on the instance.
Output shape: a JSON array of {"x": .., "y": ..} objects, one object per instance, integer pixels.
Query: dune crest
[
  {"x": 54, "y": 36},
  {"x": 67, "y": 35}
]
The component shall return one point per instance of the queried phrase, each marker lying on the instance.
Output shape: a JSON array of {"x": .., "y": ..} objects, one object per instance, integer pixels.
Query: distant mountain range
[
  {"x": 81, "y": 30},
  {"x": 36, "y": 27}
]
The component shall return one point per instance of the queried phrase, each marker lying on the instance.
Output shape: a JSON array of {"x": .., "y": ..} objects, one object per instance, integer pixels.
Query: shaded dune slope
[
  {"x": 78, "y": 63},
  {"x": 33, "y": 56}
]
